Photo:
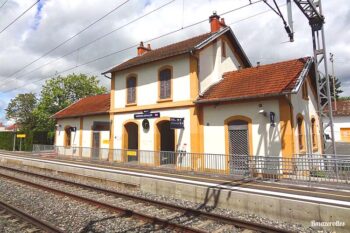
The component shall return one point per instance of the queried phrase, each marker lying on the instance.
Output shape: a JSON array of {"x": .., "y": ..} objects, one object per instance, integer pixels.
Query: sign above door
[{"x": 147, "y": 114}]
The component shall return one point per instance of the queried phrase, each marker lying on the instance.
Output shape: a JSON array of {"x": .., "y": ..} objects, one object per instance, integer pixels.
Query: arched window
[
  {"x": 165, "y": 83},
  {"x": 314, "y": 133},
  {"x": 68, "y": 133},
  {"x": 131, "y": 90},
  {"x": 223, "y": 49},
  {"x": 305, "y": 91},
  {"x": 301, "y": 133}
]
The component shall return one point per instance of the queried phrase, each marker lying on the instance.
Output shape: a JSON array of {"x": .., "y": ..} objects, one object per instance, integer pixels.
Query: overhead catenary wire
[
  {"x": 19, "y": 16},
  {"x": 3, "y": 3},
  {"x": 95, "y": 40},
  {"x": 70, "y": 38},
  {"x": 134, "y": 45}
]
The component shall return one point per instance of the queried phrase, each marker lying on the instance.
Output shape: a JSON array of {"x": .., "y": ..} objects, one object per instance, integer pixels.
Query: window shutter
[
  {"x": 131, "y": 90},
  {"x": 165, "y": 84}
]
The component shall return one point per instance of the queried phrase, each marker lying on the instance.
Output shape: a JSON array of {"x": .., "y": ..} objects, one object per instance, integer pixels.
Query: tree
[
  {"x": 21, "y": 110},
  {"x": 337, "y": 85},
  {"x": 59, "y": 92}
]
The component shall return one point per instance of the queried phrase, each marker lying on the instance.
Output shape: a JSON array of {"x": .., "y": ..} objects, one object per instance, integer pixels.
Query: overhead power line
[
  {"x": 70, "y": 38},
  {"x": 3, "y": 3},
  {"x": 96, "y": 39},
  {"x": 135, "y": 45},
  {"x": 18, "y": 17}
]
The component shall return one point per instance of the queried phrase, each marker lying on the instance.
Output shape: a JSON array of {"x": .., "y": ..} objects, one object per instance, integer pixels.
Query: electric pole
[{"x": 331, "y": 59}]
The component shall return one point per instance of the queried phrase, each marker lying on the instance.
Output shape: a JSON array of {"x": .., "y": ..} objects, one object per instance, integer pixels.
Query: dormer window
[
  {"x": 165, "y": 76},
  {"x": 131, "y": 90}
]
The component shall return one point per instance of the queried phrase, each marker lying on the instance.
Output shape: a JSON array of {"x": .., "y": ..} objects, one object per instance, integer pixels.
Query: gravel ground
[
  {"x": 66, "y": 213},
  {"x": 11, "y": 224},
  {"x": 181, "y": 218}
]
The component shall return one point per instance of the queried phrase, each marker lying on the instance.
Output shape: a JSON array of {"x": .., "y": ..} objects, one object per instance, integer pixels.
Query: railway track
[
  {"x": 22, "y": 221},
  {"x": 163, "y": 214}
]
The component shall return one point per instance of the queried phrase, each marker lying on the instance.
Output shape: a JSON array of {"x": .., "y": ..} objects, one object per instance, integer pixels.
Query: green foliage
[
  {"x": 21, "y": 110},
  {"x": 34, "y": 116},
  {"x": 337, "y": 85},
  {"x": 6, "y": 140},
  {"x": 59, "y": 92},
  {"x": 344, "y": 98}
]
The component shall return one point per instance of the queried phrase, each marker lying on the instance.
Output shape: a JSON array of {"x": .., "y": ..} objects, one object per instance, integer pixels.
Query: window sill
[
  {"x": 302, "y": 152},
  {"x": 164, "y": 100},
  {"x": 131, "y": 104}
]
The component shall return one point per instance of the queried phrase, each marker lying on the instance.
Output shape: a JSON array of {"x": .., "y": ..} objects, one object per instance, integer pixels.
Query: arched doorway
[
  {"x": 67, "y": 136},
  {"x": 131, "y": 141},
  {"x": 165, "y": 142},
  {"x": 238, "y": 143}
]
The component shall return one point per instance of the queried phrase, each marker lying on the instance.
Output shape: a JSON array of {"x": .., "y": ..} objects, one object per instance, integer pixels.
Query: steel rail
[
  {"x": 195, "y": 212},
  {"x": 39, "y": 223},
  {"x": 125, "y": 212}
]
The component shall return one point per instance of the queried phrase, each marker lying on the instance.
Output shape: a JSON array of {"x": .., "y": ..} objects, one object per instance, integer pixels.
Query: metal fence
[{"x": 301, "y": 168}]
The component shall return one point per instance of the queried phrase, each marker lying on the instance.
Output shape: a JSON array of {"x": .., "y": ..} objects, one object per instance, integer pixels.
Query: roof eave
[
  {"x": 82, "y": 115},
  {"x": 302, "y": 76},
  {"x": 220, "y": 33},
  {"x": 227, "y": 99},
  {"x": 179, "y": 54}
]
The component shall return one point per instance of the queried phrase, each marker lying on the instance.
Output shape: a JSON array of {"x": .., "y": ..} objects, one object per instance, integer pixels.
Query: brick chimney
[
  {"x": 216, "y": 23},
  {"x": 142, "y": 49}
]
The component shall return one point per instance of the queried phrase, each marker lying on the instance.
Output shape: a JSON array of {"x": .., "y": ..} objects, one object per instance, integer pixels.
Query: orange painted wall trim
[
  {"x": 111, "y": 120},
  {"x": 81, "y": 135},
  {"x": 163, "y": 105},
  {"x": 286, "y": 131}
]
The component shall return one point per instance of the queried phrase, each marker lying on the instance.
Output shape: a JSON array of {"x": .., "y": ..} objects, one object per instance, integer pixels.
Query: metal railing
[{"x": 300, "y": 168}]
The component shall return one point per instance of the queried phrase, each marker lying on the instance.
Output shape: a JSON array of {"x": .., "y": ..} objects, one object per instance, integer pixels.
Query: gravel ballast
[{"x": 177, "y": 218}]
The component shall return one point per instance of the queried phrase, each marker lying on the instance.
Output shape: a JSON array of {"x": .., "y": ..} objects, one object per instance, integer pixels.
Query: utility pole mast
[
  {"x": 331, "y": 59},
  {"x": 312, "y": 9}
]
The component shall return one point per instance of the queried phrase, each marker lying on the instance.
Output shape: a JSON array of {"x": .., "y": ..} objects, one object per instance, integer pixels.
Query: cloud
[
  {"x": 38, "y": 15},
  {"x": 262, "y": 37}
]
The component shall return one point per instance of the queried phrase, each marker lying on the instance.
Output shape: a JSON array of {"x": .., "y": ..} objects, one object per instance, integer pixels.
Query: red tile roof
[
  {"x": 162, "y": 53},
  {"x": 92, "y": 105},
  {"x": 343, "y": 108},
  {"x": 260, "y": 81},
  {"x": 11, "y": 127}
]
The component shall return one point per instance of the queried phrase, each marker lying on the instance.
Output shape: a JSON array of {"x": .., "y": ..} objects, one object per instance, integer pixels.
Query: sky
[{"x": 49, "y": 23}]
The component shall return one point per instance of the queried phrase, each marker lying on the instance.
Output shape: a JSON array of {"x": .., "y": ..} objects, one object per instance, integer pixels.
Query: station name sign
[
  {"x": 176, "y": 123},
  {"x": 147, "y": 114}
]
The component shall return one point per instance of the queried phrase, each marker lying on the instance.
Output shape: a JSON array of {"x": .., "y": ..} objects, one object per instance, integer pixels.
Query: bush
[{"x": 6, "y": 140}]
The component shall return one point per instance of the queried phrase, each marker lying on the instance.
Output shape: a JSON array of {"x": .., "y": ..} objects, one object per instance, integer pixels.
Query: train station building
[{"x": 197, "y": 103}]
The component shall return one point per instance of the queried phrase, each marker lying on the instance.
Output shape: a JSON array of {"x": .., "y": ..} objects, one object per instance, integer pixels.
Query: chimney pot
[
  {"x": 222, "y": 22},
  {"x": 214, "y": 21},
  {"x": 142, "y": 49},
  {"x": 258, "y": 64}
]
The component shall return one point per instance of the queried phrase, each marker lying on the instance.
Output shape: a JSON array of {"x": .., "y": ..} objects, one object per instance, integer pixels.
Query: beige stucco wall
[
  {"x": 307, "y": 108},
  {"x": 147, "y": 82},
  {"x": 339, "y": 122},
  {"x": 86, "y": 135},
  {"x": 147, "y": 137},
  {"x": 213, "y": 65},
  {"x": 72, "y": 122},
  {"x": 265, "y": 138}
]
